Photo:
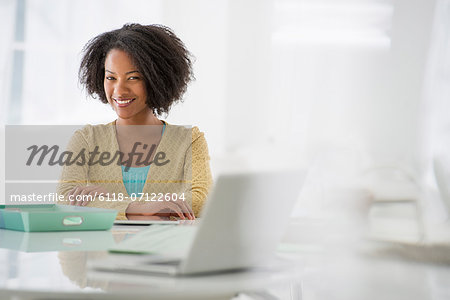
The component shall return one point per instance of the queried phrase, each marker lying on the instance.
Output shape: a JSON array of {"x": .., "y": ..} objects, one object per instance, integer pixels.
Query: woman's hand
[
  {"x": 146, "y": 217},
  {"x": 161, "y": 210},
  {"x": 81, "y": 195}
]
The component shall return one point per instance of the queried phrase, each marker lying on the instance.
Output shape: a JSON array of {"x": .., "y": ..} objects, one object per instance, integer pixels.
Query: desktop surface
[
  {"x": 330, "y": 270},
  {"x": 30, "y": 269}
]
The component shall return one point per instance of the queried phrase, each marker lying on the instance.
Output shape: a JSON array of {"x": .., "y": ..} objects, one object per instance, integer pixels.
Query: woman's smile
[{"x": 123, "y": 102}]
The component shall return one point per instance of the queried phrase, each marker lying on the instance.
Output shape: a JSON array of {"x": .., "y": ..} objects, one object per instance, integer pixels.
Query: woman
[{"x": 161, "y": 169}]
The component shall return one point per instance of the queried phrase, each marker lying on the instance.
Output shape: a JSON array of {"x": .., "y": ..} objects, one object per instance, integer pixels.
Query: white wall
[{"x": 335, "y": 85}]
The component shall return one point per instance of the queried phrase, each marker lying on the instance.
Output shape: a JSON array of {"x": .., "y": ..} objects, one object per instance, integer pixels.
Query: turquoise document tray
[
  {"x": 52, "y": 217},
  {"x": 56, "y": 241}
]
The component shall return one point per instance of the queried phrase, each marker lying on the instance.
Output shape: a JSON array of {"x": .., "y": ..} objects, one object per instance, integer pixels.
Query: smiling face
[{"x": 125, "y": 88}]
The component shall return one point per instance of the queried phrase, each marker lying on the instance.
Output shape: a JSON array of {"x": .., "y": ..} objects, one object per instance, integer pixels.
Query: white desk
[
  {"x": 326, "y": 267},
  {"x": 30, "y": 270}
]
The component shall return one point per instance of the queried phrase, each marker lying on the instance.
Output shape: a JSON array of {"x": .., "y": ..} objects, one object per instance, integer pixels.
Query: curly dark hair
[{"x": 160, "y": 56}]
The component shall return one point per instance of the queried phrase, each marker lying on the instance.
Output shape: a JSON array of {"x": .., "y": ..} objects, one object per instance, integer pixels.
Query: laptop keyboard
[{"x": 167, "y": 240}]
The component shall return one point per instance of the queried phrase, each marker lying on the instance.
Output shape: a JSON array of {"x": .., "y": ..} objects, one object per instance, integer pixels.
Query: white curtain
[{"x": 7, "y": 17}]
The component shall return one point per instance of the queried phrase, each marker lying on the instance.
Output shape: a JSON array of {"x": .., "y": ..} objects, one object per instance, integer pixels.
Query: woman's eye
[
  {"x": 109, "y": 78},
  {"x": 133, "y": 78}
]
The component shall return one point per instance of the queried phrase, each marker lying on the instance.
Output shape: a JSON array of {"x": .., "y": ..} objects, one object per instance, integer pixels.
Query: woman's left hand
[{"x": 179, "y": 209}]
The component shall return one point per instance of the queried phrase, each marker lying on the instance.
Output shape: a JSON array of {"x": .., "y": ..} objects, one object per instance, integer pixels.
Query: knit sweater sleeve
[
  {"x": 198, "y": 167},
  {"x": 77, "y": 174}
]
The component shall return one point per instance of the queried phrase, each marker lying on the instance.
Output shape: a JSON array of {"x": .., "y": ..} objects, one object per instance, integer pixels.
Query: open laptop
[{"x": 241, "y": 224}]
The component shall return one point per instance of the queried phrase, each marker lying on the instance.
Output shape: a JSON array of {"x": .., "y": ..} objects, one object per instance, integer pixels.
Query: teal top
[{"x": 134, "y": 179}]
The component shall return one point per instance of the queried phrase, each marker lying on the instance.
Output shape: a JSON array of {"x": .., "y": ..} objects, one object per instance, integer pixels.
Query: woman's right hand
[{"x": 81, "y": 195}]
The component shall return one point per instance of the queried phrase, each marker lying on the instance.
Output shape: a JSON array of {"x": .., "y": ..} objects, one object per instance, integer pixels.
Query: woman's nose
[{"x": 120, "y": 88}]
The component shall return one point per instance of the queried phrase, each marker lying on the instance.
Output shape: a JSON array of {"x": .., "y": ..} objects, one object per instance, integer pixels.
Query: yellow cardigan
[{"x": 187, "y": 172}]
